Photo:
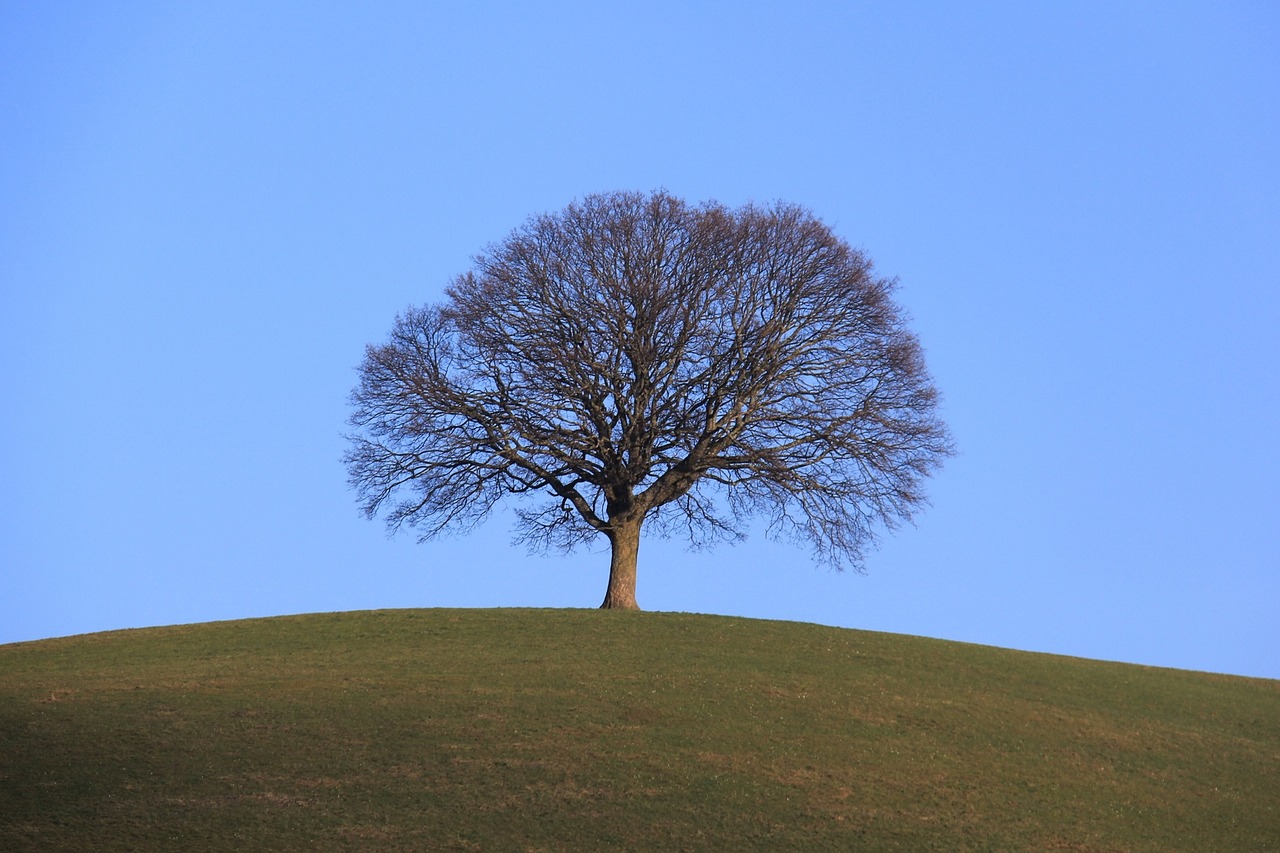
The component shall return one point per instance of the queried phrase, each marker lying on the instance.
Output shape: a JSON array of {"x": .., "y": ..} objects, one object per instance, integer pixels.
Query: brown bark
[{"x": 625, "y": 542}]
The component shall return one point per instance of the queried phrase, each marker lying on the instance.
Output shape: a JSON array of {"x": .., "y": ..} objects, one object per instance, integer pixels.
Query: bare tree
[{"x": 636, "y": 359}]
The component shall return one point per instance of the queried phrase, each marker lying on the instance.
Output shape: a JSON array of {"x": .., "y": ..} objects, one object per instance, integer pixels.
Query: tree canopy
[{"x": 634, "y": 359}]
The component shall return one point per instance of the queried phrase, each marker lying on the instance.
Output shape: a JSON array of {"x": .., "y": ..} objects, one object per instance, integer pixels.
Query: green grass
[{"x": 548, "y": 730}]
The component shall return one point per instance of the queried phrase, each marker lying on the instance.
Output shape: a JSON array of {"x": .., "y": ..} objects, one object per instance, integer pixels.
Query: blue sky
[{"x": 207, "y": 210}]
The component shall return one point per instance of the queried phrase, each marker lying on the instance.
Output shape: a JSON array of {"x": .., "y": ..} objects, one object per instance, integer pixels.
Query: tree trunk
[{"x": 625, "y": 542}]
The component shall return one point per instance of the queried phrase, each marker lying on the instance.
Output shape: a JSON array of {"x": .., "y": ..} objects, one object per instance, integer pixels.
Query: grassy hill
[{"x": 548, "y": 730}]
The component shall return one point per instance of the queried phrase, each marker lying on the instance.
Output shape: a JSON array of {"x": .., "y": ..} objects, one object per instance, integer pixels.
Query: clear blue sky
[{"x": 207, "y": 210}]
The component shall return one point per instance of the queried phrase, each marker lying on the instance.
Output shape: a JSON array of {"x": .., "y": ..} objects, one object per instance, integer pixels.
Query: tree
[{"x": 637, "y": 360}]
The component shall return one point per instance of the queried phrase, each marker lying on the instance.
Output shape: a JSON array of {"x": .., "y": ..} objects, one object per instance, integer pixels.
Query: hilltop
[{"x": 550, "y": 730}]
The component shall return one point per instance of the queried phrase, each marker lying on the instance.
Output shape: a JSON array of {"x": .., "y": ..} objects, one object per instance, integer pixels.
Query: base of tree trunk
[{"x": 620, "y": 604}]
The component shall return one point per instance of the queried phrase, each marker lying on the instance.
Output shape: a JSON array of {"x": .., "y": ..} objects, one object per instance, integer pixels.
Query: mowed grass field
[{"x": 563, "y": 730}]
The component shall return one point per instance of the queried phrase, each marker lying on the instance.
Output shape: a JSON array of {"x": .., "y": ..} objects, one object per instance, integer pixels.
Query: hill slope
[{"x": 585, "y": 730}]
